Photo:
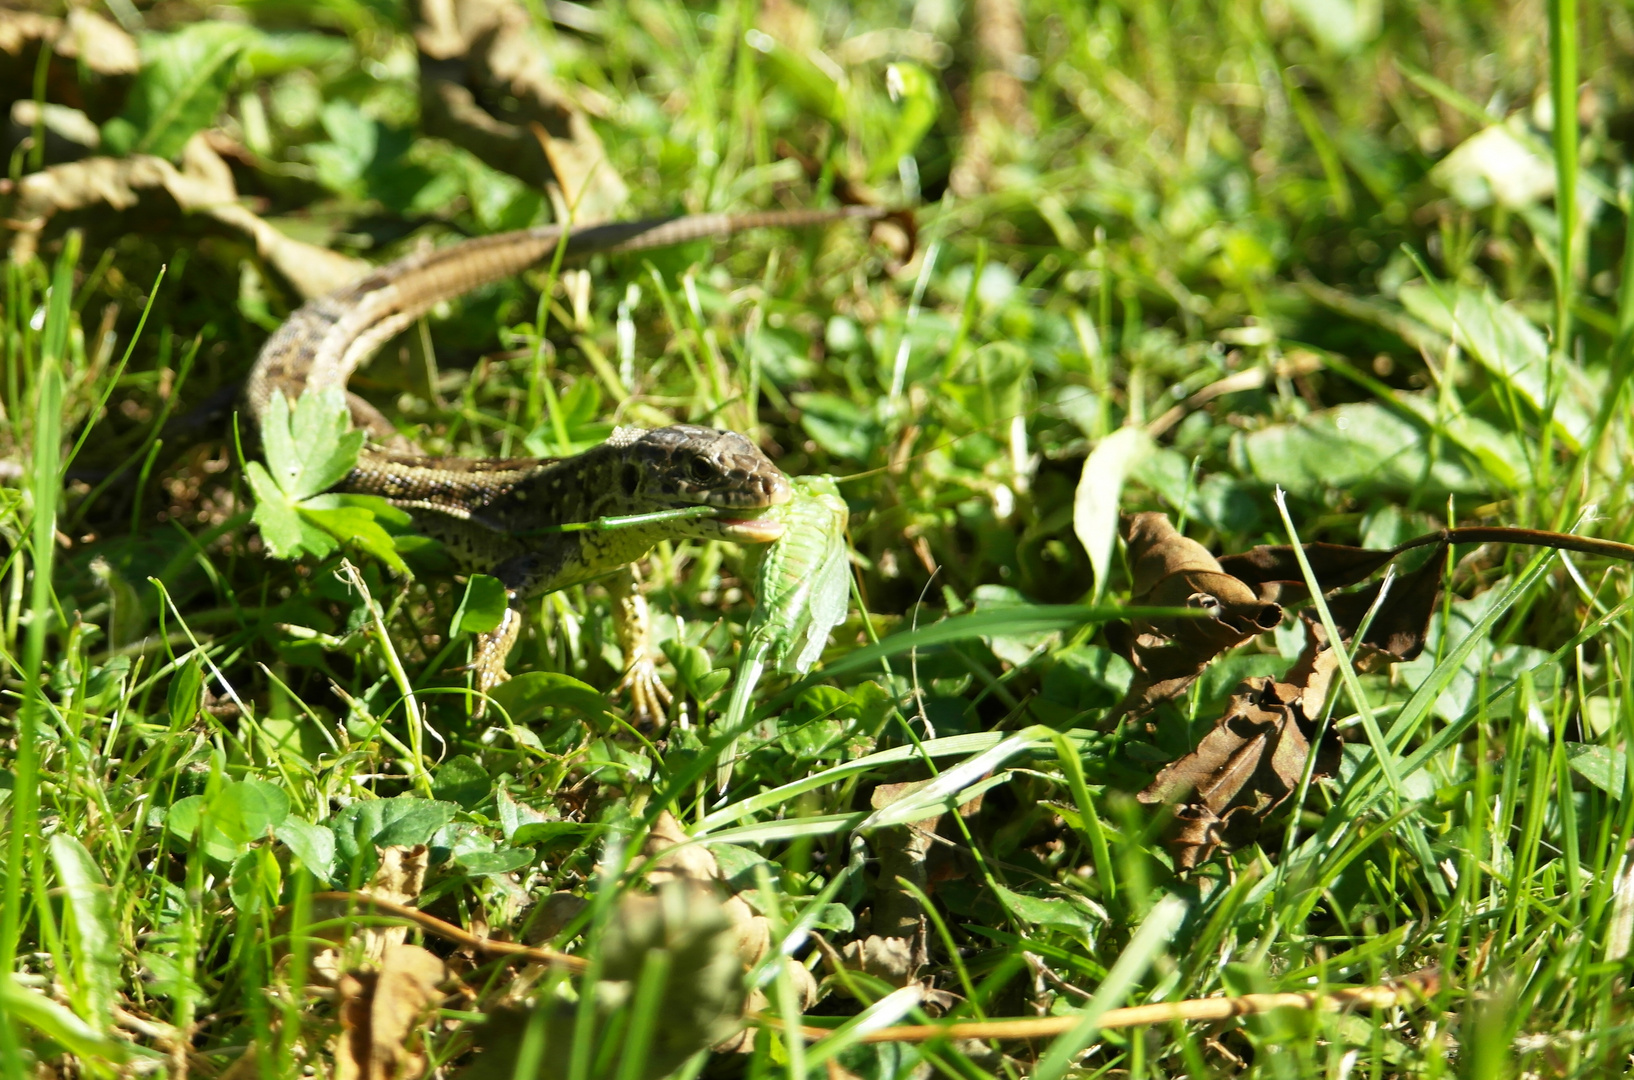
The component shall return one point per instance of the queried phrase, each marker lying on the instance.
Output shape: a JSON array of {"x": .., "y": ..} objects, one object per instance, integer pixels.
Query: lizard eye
[{"x": 700, "y": 470}]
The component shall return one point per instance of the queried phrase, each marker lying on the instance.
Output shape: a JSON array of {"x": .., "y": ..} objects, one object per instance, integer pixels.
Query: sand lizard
[{"x": 493, "y": 515}]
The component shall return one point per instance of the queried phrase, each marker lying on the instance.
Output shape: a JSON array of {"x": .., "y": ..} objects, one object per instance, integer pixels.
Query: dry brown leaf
[
  {"x": 1244, "y": 768},
  {"x": 895, "y": 960},
  {"x": 486, "y": 85},
  {"x": 1171, "y": 570},
  {"x": 203, "y": 185},
  {"x": 382, "y": 1015},
  {"x": 1253, "y": 758},
  {"x": 92, "y": 60},
  {"x": 673, "y": 857}
]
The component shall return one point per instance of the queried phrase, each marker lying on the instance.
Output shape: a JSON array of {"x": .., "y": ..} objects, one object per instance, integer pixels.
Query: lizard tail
[{"x": 621, "y": 236}]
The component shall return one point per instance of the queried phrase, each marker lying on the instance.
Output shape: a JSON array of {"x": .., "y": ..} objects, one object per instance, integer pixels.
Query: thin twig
[
  {"x": 449, "y": 932},
  {"x": 1408, "y": 990}
]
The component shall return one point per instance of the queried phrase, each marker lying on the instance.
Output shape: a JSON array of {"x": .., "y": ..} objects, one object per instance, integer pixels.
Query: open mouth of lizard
[{"x": 745, "y": 530}]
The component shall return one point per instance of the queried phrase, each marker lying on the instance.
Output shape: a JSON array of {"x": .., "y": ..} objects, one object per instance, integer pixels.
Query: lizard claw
[{"x": 650, "y": 699}]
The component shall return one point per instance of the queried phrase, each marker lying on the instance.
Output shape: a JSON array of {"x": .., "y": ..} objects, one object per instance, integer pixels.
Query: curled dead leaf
[
  {"x": 382, "y": 1015},
  {"x": 203, "y": 185},
  {"x": 486, "y": 85},
  {"x": 1171, "y": 570}
]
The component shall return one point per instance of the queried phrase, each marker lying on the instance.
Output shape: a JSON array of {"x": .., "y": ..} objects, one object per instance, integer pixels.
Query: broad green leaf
[
  {"x": 313, "y": 844},
  {"x": 461, "y": 780},
  {"x": 526, "y": 696},
  {"x": 323, "y": 450},
  {"x": 371, "y": 823},
  {"x": 1073, "y": 915},
  {"x": 1355, "y": 448},
  {"x": 1602, "y": 766},
  {"x": 190, "y": 820},
  {"x": 283, "y": 531},
  {"x": 354, "y": 525},
  {"x": 482, "y": 606},
  {"x": 551, "y": 832},
  {"x": 250, "y": 809},
  {"x": 501, "y": 861},
  {"x": 91, "y": 928},
  {"x": 181, "y": 88},
  {"x": 839, "y": 425},
  {"x": 1509, "y": 347}
]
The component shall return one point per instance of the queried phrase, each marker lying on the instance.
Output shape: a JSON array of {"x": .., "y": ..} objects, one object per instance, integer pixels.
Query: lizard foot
[{"x": 650, "y": 699}]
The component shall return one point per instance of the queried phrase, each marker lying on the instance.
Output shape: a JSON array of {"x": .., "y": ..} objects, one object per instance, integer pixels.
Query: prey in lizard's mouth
[{"x": 748, "y": 530}]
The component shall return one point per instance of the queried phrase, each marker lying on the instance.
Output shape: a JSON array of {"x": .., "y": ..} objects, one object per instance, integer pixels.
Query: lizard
[{"x": 504, "y": 517}]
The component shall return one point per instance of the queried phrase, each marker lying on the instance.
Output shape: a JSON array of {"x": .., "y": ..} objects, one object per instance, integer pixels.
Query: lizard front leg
[
  {"x": 650, "y": 699},
  {"x": 492, "y": 647}
]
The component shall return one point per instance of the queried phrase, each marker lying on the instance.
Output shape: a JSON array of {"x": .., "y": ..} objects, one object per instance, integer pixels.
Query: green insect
[{"x": 802, "y": 587}]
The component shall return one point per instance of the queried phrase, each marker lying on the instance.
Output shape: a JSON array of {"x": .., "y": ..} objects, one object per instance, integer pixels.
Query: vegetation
[{"x": 1170, "y": 258}]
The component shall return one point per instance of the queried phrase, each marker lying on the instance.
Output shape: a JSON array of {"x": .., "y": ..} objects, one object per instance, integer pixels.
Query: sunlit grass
[{"x": 1248, "y": 211}]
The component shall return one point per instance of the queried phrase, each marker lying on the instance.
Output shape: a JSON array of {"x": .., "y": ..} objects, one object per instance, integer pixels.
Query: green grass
[{"x": 1186, "y": 194}]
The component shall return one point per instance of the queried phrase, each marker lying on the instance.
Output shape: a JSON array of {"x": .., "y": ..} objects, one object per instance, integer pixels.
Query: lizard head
[{"x": 685, "y": 466}]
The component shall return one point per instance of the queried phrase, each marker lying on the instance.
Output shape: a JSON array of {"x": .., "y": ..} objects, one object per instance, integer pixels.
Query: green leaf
[
  {"x": 283, "y": 531},
  {"x": 186, "y": 693},
  {"x": 357, "y": 526},
  {"x": 250, "y": 809},
  {"x": 1095, "y": 506},
  {"x": 92, "y": 932},
  {"x": 324, "y": 449},
  {"x": 461, "y": 780},
  {"x": 502, "y": 861},
  {"x": 482, "y": 606},
  {"x": 313, "y": 844},
  {"x": 838, "y": 425},
  {"x": 190, "y": 820},
  {"x": 551, "y": 832},
  {"x": 1509, "y": 347},
  {"x": 180, "y": 89},
  {"x": 371, "y": 823},
  {"x": 1599, "y": 765},
  {"x": 1074, "y": 916},
  {"x": 527, "y": 696},
  {"x": 1357, "y": 448}
]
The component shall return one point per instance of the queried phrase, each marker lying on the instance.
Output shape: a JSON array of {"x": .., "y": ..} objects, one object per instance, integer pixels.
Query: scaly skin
[{"x": 497, "y": 516}]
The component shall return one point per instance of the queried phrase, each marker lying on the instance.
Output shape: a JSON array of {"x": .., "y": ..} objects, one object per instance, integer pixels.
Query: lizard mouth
[{"x": 749, "y": 530}]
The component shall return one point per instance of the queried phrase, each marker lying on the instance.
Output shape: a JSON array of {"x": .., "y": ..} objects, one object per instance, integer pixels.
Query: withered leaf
[
  {"x": 203, "y": 185},
  {"x": 382, "y": 1014},
  {"x": 1253, "y": 758},
  {"x": 1171, "y": 570},
  {"x": 1274, "y": 569},
  {"x": 683, "y": 945},
  {"x": 486, "y": 85},
  {"x": 1243, "y": 769}
]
